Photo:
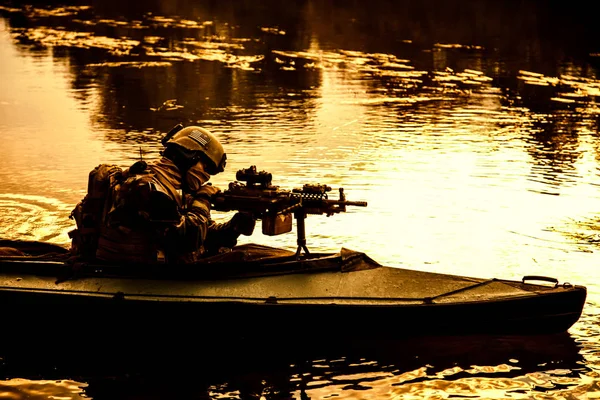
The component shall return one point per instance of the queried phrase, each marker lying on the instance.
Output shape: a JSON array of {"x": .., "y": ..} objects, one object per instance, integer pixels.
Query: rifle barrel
[
  {"x": 356, "y": 203},
  {"x": 340, "y": 202}
]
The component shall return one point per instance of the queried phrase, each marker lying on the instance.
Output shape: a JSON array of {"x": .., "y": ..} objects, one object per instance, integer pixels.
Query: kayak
[{"x": 269, "y": 292}]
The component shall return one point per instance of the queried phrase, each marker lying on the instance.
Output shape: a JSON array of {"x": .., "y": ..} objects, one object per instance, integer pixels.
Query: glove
[
  {"x": 206, "y": 192},
  {"x": 202, "y": 198},
  {"x": 243, "y": 223}
]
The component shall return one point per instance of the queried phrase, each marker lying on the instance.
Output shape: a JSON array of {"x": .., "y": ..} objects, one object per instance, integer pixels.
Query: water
[{"x": 469, "y": 127}]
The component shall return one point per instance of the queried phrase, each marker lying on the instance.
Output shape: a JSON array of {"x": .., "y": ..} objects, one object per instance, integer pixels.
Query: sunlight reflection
[
  {"x": 42, "y": 389},
  {"x": 472, "y": 161}
]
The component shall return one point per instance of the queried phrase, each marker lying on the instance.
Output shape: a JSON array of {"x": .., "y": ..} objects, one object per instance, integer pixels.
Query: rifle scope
[{"x": 252, "y": 177}]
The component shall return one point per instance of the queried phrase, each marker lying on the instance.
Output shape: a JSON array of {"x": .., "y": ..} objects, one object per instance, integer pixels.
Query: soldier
[{"x": 158, "y": 212}]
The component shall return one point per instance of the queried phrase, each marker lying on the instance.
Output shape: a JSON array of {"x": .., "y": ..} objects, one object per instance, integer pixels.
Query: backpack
[{"x": 90, "y": 213}]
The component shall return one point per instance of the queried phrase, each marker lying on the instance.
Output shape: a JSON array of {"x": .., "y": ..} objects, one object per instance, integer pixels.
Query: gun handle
[{"x": 243, "y": 223}]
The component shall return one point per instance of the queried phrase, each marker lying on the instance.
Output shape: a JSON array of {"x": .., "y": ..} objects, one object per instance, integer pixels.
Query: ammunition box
[{"x": 277, "y": 224}]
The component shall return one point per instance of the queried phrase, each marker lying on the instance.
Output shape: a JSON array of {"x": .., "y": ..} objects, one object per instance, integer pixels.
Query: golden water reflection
[
  {"x": 476, "y": 150},
  {"x": 440, "y": 154},
  {"x": 547, "y": 366},
  {"x": 17, "y": 389}
]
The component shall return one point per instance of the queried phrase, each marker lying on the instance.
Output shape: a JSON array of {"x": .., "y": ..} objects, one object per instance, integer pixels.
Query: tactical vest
[{"x": 124, "y": 215}]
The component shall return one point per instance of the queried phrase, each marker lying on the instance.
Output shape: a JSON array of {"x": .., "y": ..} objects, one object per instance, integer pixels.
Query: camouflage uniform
[{"x": 147, "y": 219}]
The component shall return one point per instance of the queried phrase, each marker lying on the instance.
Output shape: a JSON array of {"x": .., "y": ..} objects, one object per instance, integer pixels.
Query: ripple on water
[
  {"x": 41, "y": 389},
  {"x": 36, "y": 218}
]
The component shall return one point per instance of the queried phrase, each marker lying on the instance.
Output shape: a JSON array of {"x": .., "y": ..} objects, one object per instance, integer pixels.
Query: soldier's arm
[{"x": 192, "y": 230}]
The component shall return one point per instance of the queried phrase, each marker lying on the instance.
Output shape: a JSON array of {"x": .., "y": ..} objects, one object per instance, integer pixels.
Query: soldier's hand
[
  {"x": 243, "y": 223},
  {"x": 206, "y": 192},
  {"x": 202, "y": 198}
]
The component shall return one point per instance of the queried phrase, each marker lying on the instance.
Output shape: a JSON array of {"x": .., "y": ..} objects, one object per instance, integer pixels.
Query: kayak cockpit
[{"x": 248, "y": 260}]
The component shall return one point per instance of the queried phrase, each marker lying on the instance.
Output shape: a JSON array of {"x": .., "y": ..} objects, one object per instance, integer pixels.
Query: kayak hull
[
  {"x": 551, "y": 313},
  {"x": 333, "y": 295}
]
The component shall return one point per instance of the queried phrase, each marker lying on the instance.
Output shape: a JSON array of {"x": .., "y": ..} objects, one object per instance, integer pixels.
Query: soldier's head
[{"x": 192, "y": 144}]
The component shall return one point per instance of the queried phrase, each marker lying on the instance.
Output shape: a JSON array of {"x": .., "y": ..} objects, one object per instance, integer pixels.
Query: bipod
[{"x": 300, "y": 216}]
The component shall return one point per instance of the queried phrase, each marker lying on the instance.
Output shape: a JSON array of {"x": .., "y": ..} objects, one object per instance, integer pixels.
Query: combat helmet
[{"x": 187, "y": 145}]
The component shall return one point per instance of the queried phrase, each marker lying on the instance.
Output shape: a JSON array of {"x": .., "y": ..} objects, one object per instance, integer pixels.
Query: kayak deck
[{"x": 380, "y": 285}]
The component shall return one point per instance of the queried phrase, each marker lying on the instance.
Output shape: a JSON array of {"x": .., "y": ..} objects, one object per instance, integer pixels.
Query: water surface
[{"x": 469, "y": 127}]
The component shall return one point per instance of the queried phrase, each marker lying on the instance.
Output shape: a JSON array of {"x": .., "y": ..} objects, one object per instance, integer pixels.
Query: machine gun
[{"x": 252, "y": 192}]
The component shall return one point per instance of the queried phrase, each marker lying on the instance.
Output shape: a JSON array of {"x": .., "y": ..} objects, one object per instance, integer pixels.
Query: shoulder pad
[{"x": 139, "y": 167}]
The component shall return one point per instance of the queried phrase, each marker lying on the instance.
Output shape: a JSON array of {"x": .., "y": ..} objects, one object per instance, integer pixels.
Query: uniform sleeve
[
  {"x": 220, "y": 235},
  {"x": 192, "y": 230}
]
